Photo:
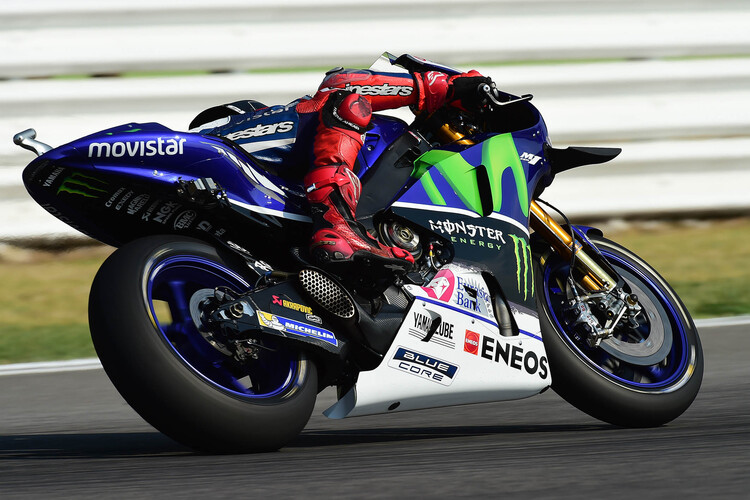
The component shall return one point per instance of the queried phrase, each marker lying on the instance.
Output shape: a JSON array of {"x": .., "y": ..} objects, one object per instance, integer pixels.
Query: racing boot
[{"x": 333, "y": 192}]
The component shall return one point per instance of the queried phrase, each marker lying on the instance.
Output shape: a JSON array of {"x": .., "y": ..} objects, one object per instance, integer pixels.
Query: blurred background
[{"x": 667, "y": 81}]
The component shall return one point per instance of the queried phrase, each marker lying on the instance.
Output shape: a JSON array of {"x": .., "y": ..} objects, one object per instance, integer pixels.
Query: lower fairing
[{"x": 464, "y": 360}]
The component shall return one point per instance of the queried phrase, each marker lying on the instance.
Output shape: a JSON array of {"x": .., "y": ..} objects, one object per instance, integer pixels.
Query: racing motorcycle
[{"x": 214, "y": 325}]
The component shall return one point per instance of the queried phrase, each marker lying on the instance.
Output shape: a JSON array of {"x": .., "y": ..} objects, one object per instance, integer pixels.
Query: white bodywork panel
[{"x": 465, "y": 360}]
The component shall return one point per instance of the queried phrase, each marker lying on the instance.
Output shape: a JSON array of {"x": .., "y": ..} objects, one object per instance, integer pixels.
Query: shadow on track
[
  {"x": 112, "y": 445},
  {"x": 154, "y": 444},
  {"x": 313, "y": 438}
]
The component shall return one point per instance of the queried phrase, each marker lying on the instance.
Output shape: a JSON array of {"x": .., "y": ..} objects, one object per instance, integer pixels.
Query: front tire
[
  {"x": 143, "y": 326},
  {"x": 625, "y": 382}
]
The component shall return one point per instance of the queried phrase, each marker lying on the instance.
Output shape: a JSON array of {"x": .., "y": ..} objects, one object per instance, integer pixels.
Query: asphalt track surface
[{"x": 70, "y": 435}]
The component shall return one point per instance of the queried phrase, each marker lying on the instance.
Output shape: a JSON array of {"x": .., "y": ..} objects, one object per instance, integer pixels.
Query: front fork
[
  {"x": 595, "y": 277},
  {"x": 605, "y": 290}
]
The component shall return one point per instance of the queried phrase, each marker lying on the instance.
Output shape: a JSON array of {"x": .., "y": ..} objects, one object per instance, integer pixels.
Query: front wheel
[
  {"x": 144, "y": 319},
  {"x": 647, "y": 372}
]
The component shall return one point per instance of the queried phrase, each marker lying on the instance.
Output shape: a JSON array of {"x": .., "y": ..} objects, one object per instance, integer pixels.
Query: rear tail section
[{"x": 144, "y": 179}]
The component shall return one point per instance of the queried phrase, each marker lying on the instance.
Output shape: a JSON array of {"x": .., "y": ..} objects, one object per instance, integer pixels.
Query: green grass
[
  {"x": 705, "y": 264},
  {"x": 45, "y": 343},
  {"x": 44, "y": 314},
  {"x": 45, "y": 294}
]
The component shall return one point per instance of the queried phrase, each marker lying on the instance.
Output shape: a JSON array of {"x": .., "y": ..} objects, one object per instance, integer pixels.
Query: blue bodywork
[{"x": 143, "y": 163}]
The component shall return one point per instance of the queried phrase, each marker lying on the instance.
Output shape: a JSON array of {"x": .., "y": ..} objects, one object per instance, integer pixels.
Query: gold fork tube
[
  {"x": 449, "y": 135},
  {"x": 595, "y": 278}
]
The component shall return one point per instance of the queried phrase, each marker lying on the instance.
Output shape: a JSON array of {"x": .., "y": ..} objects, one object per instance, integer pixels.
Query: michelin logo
[{"x": 290, "y": 326}]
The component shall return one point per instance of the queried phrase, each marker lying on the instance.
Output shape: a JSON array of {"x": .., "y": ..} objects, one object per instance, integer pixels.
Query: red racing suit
[
  {"x": 344, "y": 104},
  {"x": 326, "y": 132}
]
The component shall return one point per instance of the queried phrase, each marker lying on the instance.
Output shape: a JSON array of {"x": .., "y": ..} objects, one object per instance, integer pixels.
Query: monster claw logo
[
  {"x": 83, "y": 185},
  {"x": 523, "y": 257}
]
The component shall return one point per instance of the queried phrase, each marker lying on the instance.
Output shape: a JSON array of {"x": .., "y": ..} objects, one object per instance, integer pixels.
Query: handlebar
[{"x": 492, "y": 93}]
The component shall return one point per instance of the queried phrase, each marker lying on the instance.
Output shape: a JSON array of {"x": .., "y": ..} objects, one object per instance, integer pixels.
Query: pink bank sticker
[{"x": 441, "y": 286}]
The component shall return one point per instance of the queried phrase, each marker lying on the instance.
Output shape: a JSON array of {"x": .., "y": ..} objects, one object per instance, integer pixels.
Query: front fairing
[{"x": 478, "y": 197}]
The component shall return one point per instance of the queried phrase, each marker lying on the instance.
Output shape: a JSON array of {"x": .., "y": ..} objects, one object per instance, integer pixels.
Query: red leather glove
[{"x": 437, "y": 88}]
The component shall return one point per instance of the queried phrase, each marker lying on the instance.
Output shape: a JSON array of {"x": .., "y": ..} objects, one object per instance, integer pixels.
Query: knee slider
[{"x": 347, "y": 110}]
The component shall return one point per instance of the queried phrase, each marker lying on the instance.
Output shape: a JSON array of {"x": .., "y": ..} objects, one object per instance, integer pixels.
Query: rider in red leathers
[{"x": 336, "y": 118}]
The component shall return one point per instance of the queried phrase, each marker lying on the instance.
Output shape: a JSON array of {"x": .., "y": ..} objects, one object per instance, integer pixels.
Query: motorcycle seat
[{"x": 222, "y": 111}]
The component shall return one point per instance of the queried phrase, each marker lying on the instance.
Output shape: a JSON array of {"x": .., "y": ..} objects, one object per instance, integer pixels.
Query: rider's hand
[
  {"x": 463, "y": 90},
  {"x": 437, "y": 88}
]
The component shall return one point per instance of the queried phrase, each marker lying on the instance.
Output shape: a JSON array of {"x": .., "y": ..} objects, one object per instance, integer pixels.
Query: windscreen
[{"x": 389, "y": 63}]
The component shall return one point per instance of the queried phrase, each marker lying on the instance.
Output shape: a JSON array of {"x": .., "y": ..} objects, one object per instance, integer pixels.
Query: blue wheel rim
[
  {"x": 173, "y": 281},
  {"x": 657, "y": 377}
]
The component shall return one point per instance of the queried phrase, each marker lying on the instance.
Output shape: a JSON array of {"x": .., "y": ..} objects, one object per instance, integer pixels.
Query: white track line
[
  {"x": 728, "y": 321},
  {"x": 73, "y": 365}
]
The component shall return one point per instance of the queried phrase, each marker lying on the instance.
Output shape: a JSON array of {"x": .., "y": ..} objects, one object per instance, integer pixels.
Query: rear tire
[
  {"x": 170, "y": 374},
  {"x": 614, "y": 385}
]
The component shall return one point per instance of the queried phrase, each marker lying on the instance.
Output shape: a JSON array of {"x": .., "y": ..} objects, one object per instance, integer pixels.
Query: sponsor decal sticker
[
  {"x": 423, "y": 366},
  {"x": 53, "y": 176},
  {"x": 114, "y": 197},
  {"x": 441, "y": 286},
  {"x": 472, "y": 295},
  {"x": 54, "y": 211},
  {"x": 385, "y": 89},
  {"x": 146, "y": 216},
  {"x": 469, "y": 234},
  {"x": 530, "y": 158},
  {"x": 524, "y": 273},
  {"x": 137, "y": 203},
  {"x": 185, "y": 219},
  {"x": 471, "y": 342},
  {"x": 261, "y": 130},
  {"x": 280, "y": 301},
  {"x": 273, "y": 110},
  {"x": 123, "y": 200},
  {"x": 313, "y": 318},
  {"x": 443, "y": 334},
  {"x": 514, "y": 356},
  {"x": 295, "y": 327},
  {"x": 163, "y": 214},
  {"x": 155, "y": 147},
  {"x": 79, "y": 184}
]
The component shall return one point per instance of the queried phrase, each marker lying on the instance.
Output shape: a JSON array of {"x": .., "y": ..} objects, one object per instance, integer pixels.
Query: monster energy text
[{"x": 477, "y": 235}]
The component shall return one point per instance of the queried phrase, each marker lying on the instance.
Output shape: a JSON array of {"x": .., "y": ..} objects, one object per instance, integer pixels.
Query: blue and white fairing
[
  {"x": 145, "y": 152},
  {"x": 108, "y": 184},
  {"x": 477, "y": 196},
  {"x": 464, "y": 360}
]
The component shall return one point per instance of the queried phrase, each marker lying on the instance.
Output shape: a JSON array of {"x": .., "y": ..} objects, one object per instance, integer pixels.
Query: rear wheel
[
  {"x": 144, "y": 316},
  {"x": 648, "y": 372}
]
